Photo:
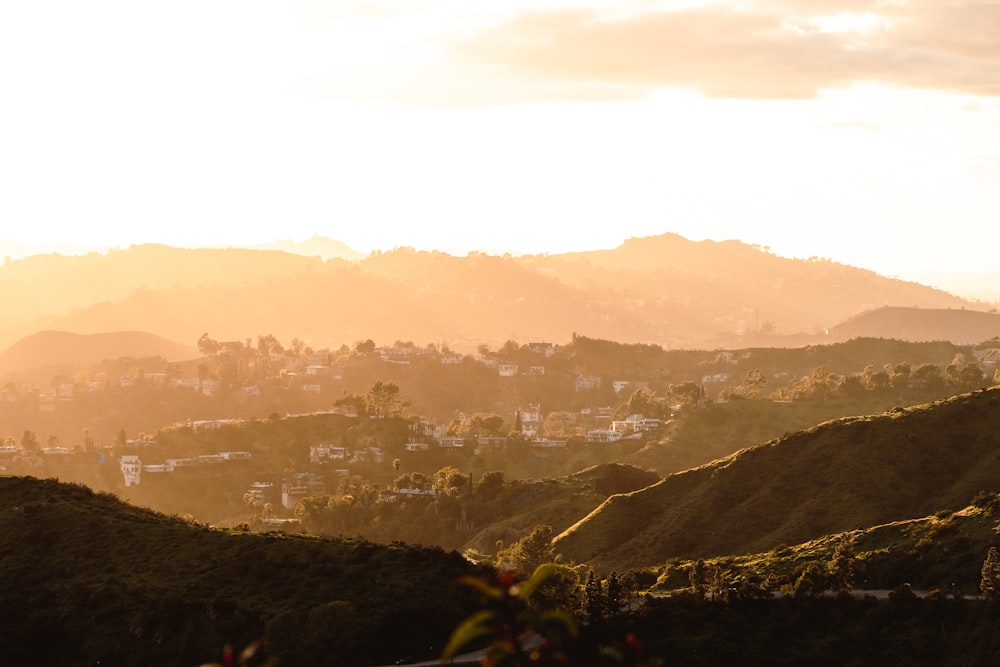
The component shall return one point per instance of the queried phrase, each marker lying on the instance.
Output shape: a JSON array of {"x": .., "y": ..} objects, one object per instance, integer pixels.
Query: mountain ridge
[
  {"x": 663, "y": 289},
  {"x": 836, "y": 476}
]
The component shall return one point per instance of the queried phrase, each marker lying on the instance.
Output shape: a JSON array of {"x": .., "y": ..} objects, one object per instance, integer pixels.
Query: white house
[
  {"x": 319, "y": 453},
  {"x": 547, "y": 443},
  {"x": 131, "y": 469},
  {"x": 603, "y": 435},
  {"x": 530, "y": 420}
]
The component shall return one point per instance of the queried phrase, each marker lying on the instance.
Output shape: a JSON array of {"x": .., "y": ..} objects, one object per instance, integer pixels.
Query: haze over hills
[
  {"x": 963, "y": 327},
  {"x": 50, "y": 349},
  {"x": 314, "y": 246},
  {"x": 841, "y": 475},
  {"x": 664, "y": 290}
]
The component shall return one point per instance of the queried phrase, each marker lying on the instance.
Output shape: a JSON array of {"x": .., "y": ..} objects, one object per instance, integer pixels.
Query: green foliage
[
  {"x": 385, "y": 400},
  {"x": 990, "y": 581},
  {"x": 841, "y": 569},
  {"x": 507, "y": 617},
  {"x": 117, "y": 584},
  {"x": 813, "y": 580},
  {"x": 834, "y": 477},
  {"x": 530, "y": 552}
]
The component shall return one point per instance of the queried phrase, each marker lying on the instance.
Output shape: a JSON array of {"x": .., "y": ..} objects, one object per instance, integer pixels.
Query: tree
[
  {"x": 559, "y": 591},
  {"x": 530, "y": 552},
  {"x": 875, "y": 380},
  {"x": 698, "y": 576},
  {"x": 813, "y": 580},
  {"x": 990, "y": 582},
  {"x": 753, "y": 383},
  {"x": 900, "y": 377},
  {"x": 852, "y": 386},
  {"x": 595, "y": 600},
  {"x": 490, "y": 484},
  {"x": 385, "y": 400},
  {"x": 614, "y": 594},
  {"x": 643, "y": 402},
  {"x": 29, "y": 441},
  {"x": 448, "y": 480},
  {"x": 268, "y": 345},
  {"x": 842, "y": 567},
  {"x": 490, "y": 424},
  {"x": 207, "y": 346},
  {"x": 686, "y": 393},
  {"x": 928, "y": 377},
  {"x": 352, "y": 401}
]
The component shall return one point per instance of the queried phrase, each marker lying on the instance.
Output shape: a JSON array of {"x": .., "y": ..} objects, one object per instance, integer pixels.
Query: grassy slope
[
  {"x": 89, "y": 579},
  {"x": 840, "y": 475},
  {"x": 944, "y": 551},
  {"x": 724, "y": 428},
  {"x": 557, "y": 503}
]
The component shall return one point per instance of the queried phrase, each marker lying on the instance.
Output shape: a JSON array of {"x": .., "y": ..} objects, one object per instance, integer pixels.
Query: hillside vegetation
[
  {"x": 90, "y": 580},
  {"x": 840, "y": 475}
]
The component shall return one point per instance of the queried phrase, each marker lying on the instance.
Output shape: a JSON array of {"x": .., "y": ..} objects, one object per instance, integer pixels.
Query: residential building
[{"x": 131, "y": 469}]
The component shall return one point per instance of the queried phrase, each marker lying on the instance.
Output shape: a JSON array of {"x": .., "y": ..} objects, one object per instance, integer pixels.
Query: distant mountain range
[{"x": 664, "y": 290}]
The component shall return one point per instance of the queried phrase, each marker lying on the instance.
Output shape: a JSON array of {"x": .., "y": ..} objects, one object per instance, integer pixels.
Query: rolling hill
[
  {"x": 91, "y": 580},
  {"x": 841, "y": 475},
  {"x": 50, "y": 350},
  {"x": 964, "y": 327}
]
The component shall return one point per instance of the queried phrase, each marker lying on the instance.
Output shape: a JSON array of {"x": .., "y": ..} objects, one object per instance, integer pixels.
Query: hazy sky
[{"x": 867, "y": 132}]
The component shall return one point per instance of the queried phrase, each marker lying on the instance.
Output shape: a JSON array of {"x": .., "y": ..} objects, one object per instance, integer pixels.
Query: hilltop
[
  {"x": 964, "y": 327},
  {"x": 54, "y": 352},
  {"x": 89, "y": 579},
  {"x": 840, "y": 475}
]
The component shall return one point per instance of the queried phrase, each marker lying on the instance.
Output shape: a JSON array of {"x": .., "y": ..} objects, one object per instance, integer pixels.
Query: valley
[{"x": 673, "y": 480}]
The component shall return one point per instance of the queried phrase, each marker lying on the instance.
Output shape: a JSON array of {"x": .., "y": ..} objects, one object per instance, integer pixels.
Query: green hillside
[
  {"x": 89, "y": 580},
  {"x": 841, "y": 475},
  {"x": 557, "y": 503}
]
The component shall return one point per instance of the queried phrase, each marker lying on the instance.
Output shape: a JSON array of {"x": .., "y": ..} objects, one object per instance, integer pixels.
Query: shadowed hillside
[
  {"x": 90, "y": 580},
  {"x": 840, "y": 475}
]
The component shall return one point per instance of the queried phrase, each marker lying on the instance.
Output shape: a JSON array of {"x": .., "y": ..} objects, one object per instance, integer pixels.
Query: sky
[{"x": 864, "y": 132}]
